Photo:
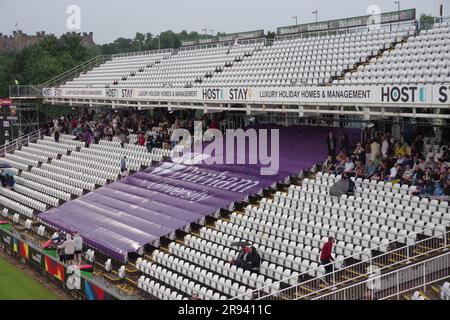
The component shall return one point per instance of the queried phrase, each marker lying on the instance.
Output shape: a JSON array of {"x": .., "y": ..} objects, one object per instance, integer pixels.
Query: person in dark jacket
[
  {"x": 331, "y": 145},
  {"x": 252, "y": 260},
  {"x": 240, "y": 258},
  {"x": 56, "y": 135}
]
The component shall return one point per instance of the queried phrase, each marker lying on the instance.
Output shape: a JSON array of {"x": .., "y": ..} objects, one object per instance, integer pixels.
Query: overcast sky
[{"x": 110, "y": 19}]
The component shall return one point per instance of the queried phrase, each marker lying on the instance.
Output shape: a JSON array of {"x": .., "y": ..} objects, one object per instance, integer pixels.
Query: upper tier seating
[
  {"x": 422, "y": 59},
  {"x": 370, "y": 57},
  {"x": 306, "y": 61}
]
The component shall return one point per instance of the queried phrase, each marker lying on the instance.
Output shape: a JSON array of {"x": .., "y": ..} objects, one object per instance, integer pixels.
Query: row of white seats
[
  {"x": 18, "y": 165},
  {"x": 43, "y": 188},
  {"x": 219, "y": 251},
  {"x": 176, "y": 280},
  {"x": 23, "y": 199},
  {"x": 79, "y": 184},
  {"x": 372, "y": 211},
  {"x": 31, "y": 156},
  {"x": 52, "y": 183},
  {"x": 298, "y": 253},
  {"x": 24, "y": 161},
  {"x": 62, "y": 144},
  {"x": 99, "y": 173},
  {"x": 74, "y": 174},
  {"x": 14, "y": 205},
  {"x": 158, "y": 290},
  {"x": 199, "y": 274},
  {"x": 45, "y": 198},
  {"x": 32, "y": 152}
]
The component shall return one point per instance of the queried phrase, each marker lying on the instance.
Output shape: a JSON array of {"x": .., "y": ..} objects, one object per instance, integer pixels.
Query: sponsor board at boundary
[
  {"x": 401, "y": 94},
  {"x": 37, "y": 259}
]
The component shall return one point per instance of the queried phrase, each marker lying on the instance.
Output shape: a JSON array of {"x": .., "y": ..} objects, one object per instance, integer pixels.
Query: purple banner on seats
[{"x": 123, "y": 216}]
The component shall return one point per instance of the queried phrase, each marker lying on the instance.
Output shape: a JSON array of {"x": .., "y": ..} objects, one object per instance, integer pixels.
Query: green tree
[{"x": 426, "y": 21}]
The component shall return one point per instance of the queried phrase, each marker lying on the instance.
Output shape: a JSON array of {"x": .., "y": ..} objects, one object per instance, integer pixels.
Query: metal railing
[
  {"x": 395, "y": 283},
  {"x": 21, "y": 141},
  {"x": 25, "y": 91},
  {"x": 361, "y": 268},
  {"x": 141, "y": 53},
  {"x": 76, "y": 71}
]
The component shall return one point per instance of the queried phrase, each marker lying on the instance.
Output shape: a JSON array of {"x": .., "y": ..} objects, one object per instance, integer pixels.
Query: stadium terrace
[{"x": 121, "y": 177}]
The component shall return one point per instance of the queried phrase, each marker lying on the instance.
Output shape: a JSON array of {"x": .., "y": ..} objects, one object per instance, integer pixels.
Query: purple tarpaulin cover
[{"x": 123, "y": 216}]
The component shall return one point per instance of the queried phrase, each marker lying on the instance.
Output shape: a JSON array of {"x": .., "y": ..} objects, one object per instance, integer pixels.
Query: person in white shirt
[
  {"x": 349, "y": 165},
  {"x": 78, "y": 247},
  {"x": 385, "y": 147},
  {"x": 374, "y": 150},
  {"x": 69, "y": 249}
]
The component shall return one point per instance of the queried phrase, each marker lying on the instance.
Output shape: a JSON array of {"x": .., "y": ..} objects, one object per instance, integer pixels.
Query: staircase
[
  {"x": 76, "y": 71},
  {"x": 355, "y": 67}
]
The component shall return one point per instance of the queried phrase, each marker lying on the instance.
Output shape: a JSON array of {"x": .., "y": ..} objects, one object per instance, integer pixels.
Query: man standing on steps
[
  {"x": 123, "y": 166},
  {"x": 326, "y": 257}
]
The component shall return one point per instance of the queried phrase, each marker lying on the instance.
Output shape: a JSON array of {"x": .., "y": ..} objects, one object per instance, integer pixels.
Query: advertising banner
[
  {"x": 387, "y": 17},
  {"x": 334, "y": 95},
  {"x": 40, "y": 261}
]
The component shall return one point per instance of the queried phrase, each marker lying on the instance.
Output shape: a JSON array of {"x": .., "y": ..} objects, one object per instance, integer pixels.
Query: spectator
[
  {"x": 68, "y": 247},
  {"x": 343, "y": 141},
  {"x": 123, "y": 139},
  {"x": 359, "y": 169},
  {"x": 56, "y": 135},
  {"x": 123, "y": 166},
  {"x": 349, "y": 166},
  {"x": 331, "y": 145},
  {"x": 141, "y": 139},
  {"x": 240, "y": 258},
  {"x": 252, "y": 260},
  {"x": 369, "y": 169},
  {"x": 78, "y": 247},
  {"x": 374, "y": 149},
  {"x": 325, "y": 256},
  {"x": 359, "y": 153},
  {"x": 385, "y": 146},
  {"x": 408, "y": 174}
]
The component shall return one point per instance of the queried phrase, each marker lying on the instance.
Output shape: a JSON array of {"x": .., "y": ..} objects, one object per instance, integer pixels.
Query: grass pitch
[{"x": 17, "y": 285}]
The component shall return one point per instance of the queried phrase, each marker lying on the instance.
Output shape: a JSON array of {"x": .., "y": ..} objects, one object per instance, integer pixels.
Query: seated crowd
[
  {"x": 384, "y": 159},
  {"x": 152, "y": 130}
]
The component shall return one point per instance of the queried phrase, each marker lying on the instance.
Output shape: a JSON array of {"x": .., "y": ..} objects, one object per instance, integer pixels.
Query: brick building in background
[{"x": 19, "y": 40}]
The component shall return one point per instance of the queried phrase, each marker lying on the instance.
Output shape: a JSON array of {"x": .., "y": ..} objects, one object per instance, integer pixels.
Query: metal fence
[
  {"x": 25, "y": 91},
  {"x": 358, "y": 267},
  {"x": 392, "y": 285},
  {"x": 21, "y": 141}
]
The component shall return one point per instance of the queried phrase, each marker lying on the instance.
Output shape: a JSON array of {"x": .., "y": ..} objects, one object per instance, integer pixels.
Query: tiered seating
[
  {"x": 37, "y": 195},
  {"x": 116, "y": 69},
  {"x": 51, "y": 183},
  {"x": 309, "y": 61},
  {"x": 78, "y": 175},
  {"x": 43, "y": 188},
  {"x": 44, "y": 179},
  {"x": 23, "y": 199},
  {"x": 223, "y": 277},
  {"x": 301, "y": 61},
  {"x": 158, "y": 290},
  {"x": 16, "y": 206},
  {"x": 79, "y": 184},
  {"x": 424, "y": 58}
]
